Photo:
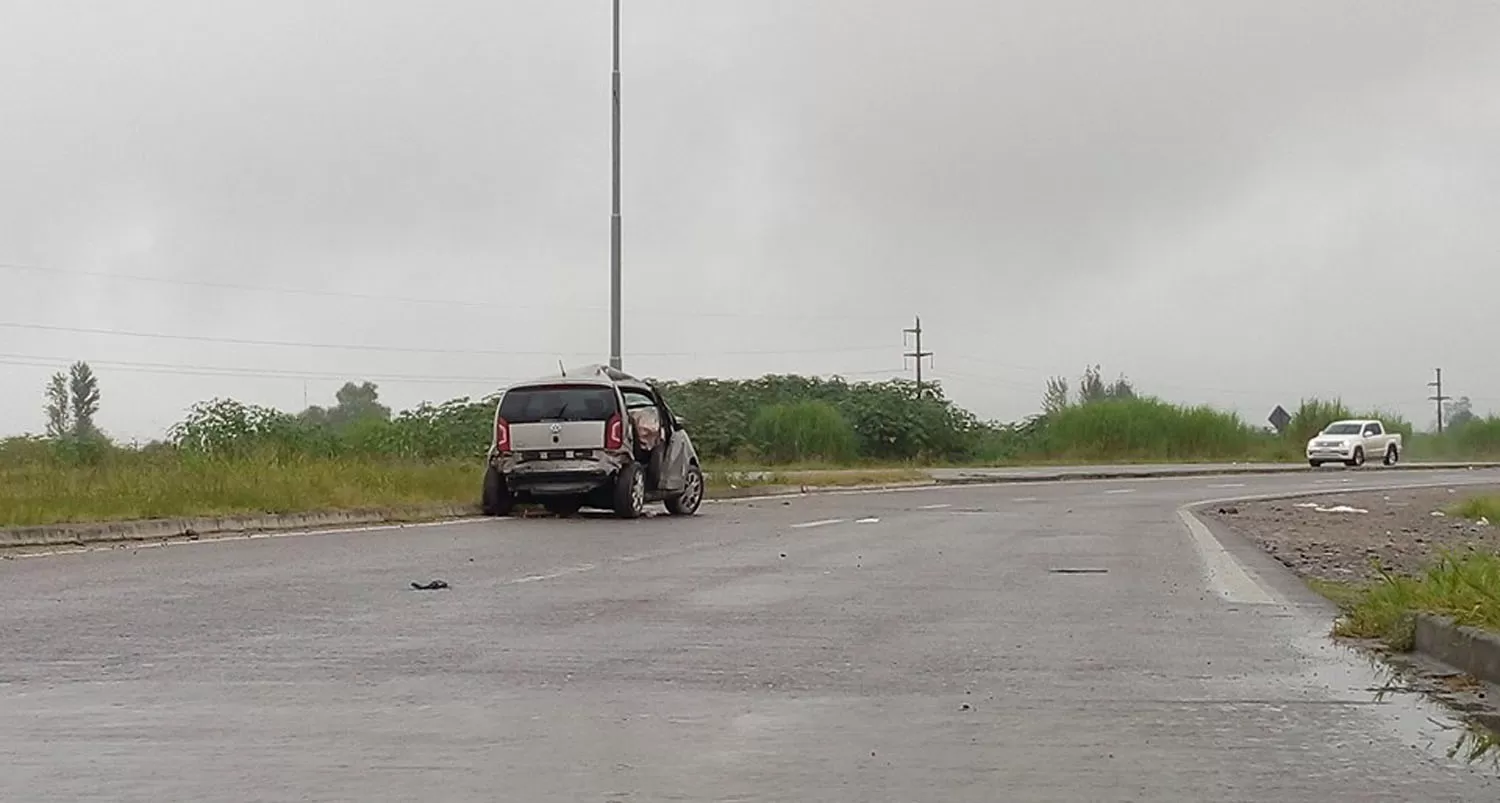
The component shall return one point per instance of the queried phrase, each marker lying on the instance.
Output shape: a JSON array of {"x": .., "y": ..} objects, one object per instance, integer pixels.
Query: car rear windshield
[
  {"x": 558, "y": 403},
  {"x": 1342, "y": 429}
]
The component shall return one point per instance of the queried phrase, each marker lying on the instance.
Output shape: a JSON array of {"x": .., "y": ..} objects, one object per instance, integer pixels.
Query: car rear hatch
[{"x": 561, "y": 421}]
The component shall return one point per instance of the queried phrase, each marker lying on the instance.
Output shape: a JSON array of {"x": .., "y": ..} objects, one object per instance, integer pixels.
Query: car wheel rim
[
  {"x": 638, "y": 492},
  {"x": 694, "y": 492}
]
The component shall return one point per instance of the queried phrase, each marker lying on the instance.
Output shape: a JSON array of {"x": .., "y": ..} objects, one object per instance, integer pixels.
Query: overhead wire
[
  {"x": 45, "y": 361},
  {"x": 416, "y": 349},
  {"x": 508, "y": 304}
]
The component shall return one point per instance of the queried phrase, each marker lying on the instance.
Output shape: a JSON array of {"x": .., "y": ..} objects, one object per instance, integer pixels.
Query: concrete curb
[
  {"x": 778, "y": 491},
  {"x": 1467, "y": 649},
  {"x": 1134, "y": 472},
  {"x": 164, "y": 529}
]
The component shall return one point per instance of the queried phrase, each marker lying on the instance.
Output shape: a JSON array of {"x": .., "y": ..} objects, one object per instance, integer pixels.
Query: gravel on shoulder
[{"x": 1346, "y": 536}]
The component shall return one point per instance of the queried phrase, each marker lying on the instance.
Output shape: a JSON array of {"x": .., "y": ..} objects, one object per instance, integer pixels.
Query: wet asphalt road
[{"x": 900, "y": 646}]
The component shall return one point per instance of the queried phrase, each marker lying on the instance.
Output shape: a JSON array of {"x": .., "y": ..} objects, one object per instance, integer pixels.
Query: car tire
[
  {"x": 630, "y": 492},
  {"x": 496, "y": 499},
  {"x": 1359, "y": 458},
  {"x": 1315, "y": 463},
  {"x": 1392, "y": 455},
  {"x": 691, "y": 498}
]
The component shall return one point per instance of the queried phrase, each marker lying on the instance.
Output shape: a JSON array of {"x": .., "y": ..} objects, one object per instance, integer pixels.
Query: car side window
[
  {"x": 1373, "y": 429},
  {"x": 635, "y": 400}
]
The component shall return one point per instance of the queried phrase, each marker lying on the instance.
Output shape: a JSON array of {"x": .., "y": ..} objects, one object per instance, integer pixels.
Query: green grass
[
  {"x": 132, "y": 486},
  {"x": 124, "y": 485},
  {"x": 1478, "y": 507},
  {"x": 1464, "y": 587}
]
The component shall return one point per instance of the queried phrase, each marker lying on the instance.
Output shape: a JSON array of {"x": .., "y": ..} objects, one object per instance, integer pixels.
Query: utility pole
[
  {"x": 919, "y": 354},
  {"x": 614, "y": 217},
  {"x": 1439, "y": 397}
]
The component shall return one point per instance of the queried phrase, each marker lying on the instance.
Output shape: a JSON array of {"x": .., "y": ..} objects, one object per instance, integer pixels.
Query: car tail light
[
  {"x": 614, "y": 432},
  {"x": 502, "y": 435}
]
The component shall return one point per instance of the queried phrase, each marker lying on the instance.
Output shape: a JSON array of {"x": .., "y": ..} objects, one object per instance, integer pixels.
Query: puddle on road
[{"x": 1411, "y": 701}]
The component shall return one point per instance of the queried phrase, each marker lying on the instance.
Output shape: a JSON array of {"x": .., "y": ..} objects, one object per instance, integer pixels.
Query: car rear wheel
[
  {"x": 496, "y": 499},
  {"x": 1392, "y": 455},
  {"x": 630, "y": 492},
  {"x": 692, "y": 494}
]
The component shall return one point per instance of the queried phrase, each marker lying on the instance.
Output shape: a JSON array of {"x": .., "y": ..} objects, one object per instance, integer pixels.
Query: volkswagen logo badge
[{"x": 556, "y": 428}]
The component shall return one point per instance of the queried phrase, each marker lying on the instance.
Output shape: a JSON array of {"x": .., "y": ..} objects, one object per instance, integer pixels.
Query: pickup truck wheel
[
  {"x": 1315, "y": 463},
  {"x": 496, "y": 500},
  {"x": 1359, "y": 458},
  {"x": 1392, "y": 455},
  {"x": 630, "y": 492}
]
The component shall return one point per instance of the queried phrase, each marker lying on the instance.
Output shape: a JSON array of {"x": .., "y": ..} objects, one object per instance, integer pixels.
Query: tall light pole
[{"x": 614, "y": 217}]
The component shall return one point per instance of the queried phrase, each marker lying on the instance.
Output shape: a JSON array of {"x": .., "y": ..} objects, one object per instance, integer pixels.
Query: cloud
[{"x": 1209, "y": 197}]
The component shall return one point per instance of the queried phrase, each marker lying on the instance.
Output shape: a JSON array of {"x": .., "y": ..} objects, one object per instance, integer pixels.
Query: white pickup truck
[{"x": 1351, "y": 442}]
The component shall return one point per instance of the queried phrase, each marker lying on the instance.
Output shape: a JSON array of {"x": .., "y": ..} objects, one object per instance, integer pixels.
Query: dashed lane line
[{"x": 807, "y": 525}]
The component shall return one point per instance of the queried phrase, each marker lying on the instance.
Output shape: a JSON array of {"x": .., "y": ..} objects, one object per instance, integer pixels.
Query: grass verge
[
  {"x": 1463, "y": 587},
  {"x": 126, "y": 486},
  {"x": 144, "y": 488}
]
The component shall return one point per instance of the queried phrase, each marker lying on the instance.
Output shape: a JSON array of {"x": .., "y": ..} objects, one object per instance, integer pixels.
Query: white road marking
[
  {"x": 1121, "y": 491},
  {"x": 1228, "y": 485},
  {"x": 1226, "y": 577},
  {"x": 822, "y": 523},
  {"x": 1026, "y": 499},
  {"x": 934, "y": 507},
  {"x": 871, "y": 520}
]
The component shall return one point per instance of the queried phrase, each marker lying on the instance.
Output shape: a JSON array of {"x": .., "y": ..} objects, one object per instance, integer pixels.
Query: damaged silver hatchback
[{"x": 596, "y": 437}]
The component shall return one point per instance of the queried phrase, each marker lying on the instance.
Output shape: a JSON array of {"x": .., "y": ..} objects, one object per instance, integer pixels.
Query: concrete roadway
[{"x": 914, "y": 645}]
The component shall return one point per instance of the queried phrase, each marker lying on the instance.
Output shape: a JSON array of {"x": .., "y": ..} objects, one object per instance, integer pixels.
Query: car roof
[{"x": 597, "y": 375}]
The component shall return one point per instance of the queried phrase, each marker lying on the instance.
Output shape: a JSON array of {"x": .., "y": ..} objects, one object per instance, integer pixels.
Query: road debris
[{"x": 434, "y": 585}]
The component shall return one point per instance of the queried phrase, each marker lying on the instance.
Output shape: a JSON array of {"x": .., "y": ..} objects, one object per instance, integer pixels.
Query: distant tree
[
  {"x": 1056, "y": 397},
  {"x": 1121, "y": 389},
  {"x": 356, "y": 403},
  {"x": 1092, "y": 387},
  {"x": 59, "y": 411},
  {"x": 1458, "y": 413},
  {"x": 84, "y": 387}
]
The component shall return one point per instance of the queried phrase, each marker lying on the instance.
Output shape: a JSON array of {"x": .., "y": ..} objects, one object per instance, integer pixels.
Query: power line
[
  {"x": 255, "y": 373},
  {"x": 442, "y": 302},
  {"x": 414, "y": 349},
  {"x": 45, "y": 361}
]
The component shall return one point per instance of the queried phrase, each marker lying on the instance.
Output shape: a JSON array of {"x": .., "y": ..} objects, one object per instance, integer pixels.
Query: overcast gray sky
[{"x": 1232, "y": 202}]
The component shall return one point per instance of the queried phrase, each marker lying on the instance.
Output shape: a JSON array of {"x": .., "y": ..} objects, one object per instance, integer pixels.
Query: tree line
[{"x": 774, "y": 419}]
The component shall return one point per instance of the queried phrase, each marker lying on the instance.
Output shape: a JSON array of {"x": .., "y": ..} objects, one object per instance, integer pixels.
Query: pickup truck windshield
[
  {"x": 1342, "y": 429},
  {"x": 558, "y": 403}
]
